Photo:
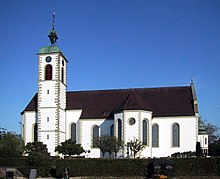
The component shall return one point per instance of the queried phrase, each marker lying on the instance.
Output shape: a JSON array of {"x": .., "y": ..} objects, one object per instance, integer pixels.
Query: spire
[{"x": 52, "y": 34}]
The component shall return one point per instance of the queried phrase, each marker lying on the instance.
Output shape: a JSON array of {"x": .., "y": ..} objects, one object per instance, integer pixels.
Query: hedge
[
  {"x": 12, "y": 162},
  {"x": 103, "y": 167},
  {"x": 123, "y": 167}
]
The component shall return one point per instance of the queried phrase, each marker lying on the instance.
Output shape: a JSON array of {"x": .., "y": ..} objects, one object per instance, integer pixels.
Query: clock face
[{"x": 48, "y": 59}]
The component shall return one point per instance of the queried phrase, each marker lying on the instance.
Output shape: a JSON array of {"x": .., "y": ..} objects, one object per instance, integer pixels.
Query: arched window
[
  {"x": 48, "y": 72},
  {"x": 145, "y": 132},
  {"x": 112, "y": 130},
  {"x": 175, "y": 135},
  {"x": 35, "y": 132},
  {"x": 95, "y": 135},
  {"x": 62, "y": 75},
  {"x": 155, "y": 135},
  {"x": 73, "y": 131},
  {"x": 119, "y": 129}
]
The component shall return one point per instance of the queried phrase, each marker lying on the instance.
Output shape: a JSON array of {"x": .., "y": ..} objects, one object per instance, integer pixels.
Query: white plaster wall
[
  {"x": 188, "y": 135},
  {"x": 62, "y": 121},
  {"x": 86, "y": 133},
  {"x": 49, "y": 142},
  {"x": 48, "y": 125},
  {"x": 72, "y": 116},
  {"x": 28, "y": 120},
  {"x": 47, "y": 99},
  {"x": 116, "y": 117},
  {"x": 131, "y": 132}
]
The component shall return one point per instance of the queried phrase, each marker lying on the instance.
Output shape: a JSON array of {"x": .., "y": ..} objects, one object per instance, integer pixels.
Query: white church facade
[{"x": 165, "y": 120}]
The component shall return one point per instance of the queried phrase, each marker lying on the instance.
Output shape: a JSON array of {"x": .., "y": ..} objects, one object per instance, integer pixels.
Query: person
[{"x": 66, "y": 173}]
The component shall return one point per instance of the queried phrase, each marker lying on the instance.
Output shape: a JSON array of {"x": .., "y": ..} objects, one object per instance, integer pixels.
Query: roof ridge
[{"x": 127, "y": 89}]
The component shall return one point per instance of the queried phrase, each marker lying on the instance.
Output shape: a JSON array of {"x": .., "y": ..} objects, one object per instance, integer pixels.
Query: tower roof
[{"x": 53, "y": 48}]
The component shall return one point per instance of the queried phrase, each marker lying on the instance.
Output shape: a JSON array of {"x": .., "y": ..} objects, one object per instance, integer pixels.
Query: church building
[{"x": 165, "y": 119}]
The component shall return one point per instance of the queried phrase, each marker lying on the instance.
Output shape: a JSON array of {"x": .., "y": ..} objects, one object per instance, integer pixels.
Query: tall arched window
[
  {"x": 35, "y": 132},
  {"x": 119, "y": 129},
  {"x": 48, "y": 72},
  {"x": 73, "y": 131},
  {"x": 62, "y": 75},
  {"x": 95, "y": 135},
  {"x": 112, "y": 130},
  {"x": 145, "y": 132},
  {"x": 155, "y": 135},
  {"x": 175, "y": 135}
]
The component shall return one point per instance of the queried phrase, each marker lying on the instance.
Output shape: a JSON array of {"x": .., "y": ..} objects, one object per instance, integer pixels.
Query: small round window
[{"x": 131, "y": 121}]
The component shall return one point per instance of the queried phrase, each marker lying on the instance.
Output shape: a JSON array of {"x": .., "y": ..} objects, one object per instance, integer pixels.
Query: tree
[
  {"x": 38, "y": 158},
  {"x": 103, "y": 143},
  {"x": 11, "y": 144},
  {"x": 214, "y": 139},
  {"x": 212, "y": 131},
  {"x": 69, "y": 147},
  {"x": 116, "y": 145},
  {"x": 40, "y": 161},
  {"x": 136, "y": 146},
  {"x": 35, "y": 147},
  {"x": 109, "y": 144}
]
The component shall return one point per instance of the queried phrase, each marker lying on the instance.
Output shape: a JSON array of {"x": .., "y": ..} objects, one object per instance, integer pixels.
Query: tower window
[
  {"x": 48, "y": 91},
  {"x": 62, "y": 75},
  {"x": 48, "y": 72},
  {"x": 48, "y": 119},
  {"x": 48, "y": 136}
]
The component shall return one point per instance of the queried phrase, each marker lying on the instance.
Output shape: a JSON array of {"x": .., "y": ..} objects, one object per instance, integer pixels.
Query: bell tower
[{"x": 52, "y": 66}]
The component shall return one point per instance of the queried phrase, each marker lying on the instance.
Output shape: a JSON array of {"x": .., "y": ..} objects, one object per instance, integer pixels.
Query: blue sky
[{"x": 112, "y": 44}]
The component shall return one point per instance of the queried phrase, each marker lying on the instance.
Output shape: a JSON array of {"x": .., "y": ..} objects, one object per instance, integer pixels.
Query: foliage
[
  {"x": 11, "y": 145},
  {"x": 136, "y": 146},
  {"x": 103, "y": 167},
  {"x": 214, "y": 148},
  {"x": 116, "y": 145},
  {"x": 121, "y": 168},
  {"x": 38, "y": 158},
  {"x": 103, "y": 143},
  {"x": 198, "y": 149},
  {"x": 214, "y": 139},
  {"x": 108, "y": 144},
  {"x": 40, "y": 161},
  {"x": 212, "y": 131},
  {"x": 69, "y": 147},
  {"x": 35, "y": 147}
]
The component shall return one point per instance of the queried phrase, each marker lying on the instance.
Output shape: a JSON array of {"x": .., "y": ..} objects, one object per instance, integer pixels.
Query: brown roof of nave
[{"x": 163, "y": 102}]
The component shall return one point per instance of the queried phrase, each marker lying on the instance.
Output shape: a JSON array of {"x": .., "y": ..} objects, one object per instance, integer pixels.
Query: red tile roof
[{"x": 163, "y": 102}]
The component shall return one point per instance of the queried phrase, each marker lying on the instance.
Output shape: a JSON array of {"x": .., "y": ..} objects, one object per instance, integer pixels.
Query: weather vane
[{"x": 53, "y": 20}]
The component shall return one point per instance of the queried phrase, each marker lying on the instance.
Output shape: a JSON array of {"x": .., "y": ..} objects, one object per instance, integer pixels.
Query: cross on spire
[
  {"x": 52, "y": 34},
  {"x": 53, "y": 24}
]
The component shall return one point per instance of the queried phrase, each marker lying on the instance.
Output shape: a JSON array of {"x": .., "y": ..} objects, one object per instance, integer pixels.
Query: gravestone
[
  {"x": 9, "y": 175},
  {"x": 33, "y": 174}
]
